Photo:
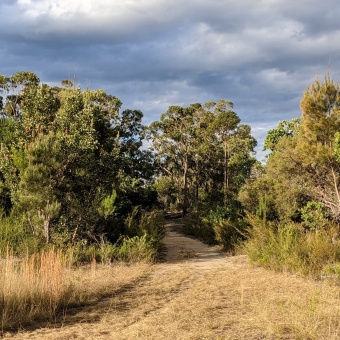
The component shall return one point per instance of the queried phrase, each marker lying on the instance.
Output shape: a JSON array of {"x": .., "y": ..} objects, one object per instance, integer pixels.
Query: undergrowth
[
  {"x": 222, "y": 225},
  {"x": 142, "y": 241},
  {"x": 290, "y": 247}
]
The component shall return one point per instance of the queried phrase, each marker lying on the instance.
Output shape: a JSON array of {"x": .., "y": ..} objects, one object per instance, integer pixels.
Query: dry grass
[
  {"x": 231, "y": 300},
  {"x": 42, "y": 287},
  {"x": 31, "y": 288},
  {"x": 205, "y": 297}
]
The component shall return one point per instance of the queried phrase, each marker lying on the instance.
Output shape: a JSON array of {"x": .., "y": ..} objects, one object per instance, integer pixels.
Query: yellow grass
[
  {"x": 230, "y": 300},
  {"x": 43, "y": 287},
  {"x": 31, "y": 288}
]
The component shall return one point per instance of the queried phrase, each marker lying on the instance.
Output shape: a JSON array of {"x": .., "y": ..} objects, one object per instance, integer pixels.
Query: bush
[
  {"x": 287, "y": 246},
  {"x": 135, "y": 249},
  {"x": 144, "y": 233},
  {"x": 229, "y": 233},
  {"x": 197, "y": 228},
  {"x": 149, "y": 225},
  {"x": 314, "y": 215},
  {"x": 223, "y": 225},
  {"x": 15, "y": 233}
]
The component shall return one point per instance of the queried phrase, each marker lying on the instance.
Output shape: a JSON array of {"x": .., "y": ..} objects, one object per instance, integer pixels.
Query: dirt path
[
  {"x": 199, "y": 293},
  {"x": 181, "y": 248}
]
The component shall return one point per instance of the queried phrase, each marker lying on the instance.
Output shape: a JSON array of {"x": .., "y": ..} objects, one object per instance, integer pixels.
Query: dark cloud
[{"x": 261, "y": 55}]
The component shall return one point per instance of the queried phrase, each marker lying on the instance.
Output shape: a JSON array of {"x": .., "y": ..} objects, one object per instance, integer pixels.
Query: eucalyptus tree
[
  {"x": 203, "y": 144},
  {"x": 175, "y": 138},
  {"x": 232, "y": 141}
]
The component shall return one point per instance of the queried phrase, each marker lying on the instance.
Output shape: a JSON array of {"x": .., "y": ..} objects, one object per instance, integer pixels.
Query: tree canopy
[{"x": 70, "y": 162}]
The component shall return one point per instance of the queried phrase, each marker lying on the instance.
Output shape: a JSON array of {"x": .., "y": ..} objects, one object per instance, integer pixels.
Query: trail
[{"x": 200, "y": 293}]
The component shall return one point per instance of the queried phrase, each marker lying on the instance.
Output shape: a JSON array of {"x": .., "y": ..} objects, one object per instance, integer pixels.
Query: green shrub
[
  {"x": 146, "y": 224},
  {"x": 102, "y": 251},
  {"x": 222, "y": 225},
  {"x": 135, "y": 249},
  {"x": 287, "y": 246},
  {"x": 143, "y": 240},
  {"x": 197, "y": 228},
  {"x": 14, "y": 232},
  {"x": 314, "y": 215},
  {"x": 229, "y": 233}
]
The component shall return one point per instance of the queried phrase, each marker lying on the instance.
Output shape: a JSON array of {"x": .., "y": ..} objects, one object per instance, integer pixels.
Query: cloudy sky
[{"x": 259, "y": 54}]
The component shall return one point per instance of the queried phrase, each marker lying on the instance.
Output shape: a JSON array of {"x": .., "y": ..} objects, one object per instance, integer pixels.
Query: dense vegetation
[
  {"x": 73, "y": 174},
  {"x": 203, "y": 157},
  {"x": 293, "y": 201},
  {"x": 71, "y": 167}
]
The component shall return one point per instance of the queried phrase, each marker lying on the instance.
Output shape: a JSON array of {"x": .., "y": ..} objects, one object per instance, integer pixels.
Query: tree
[
  {"x": 320, "y": 106},
  {"x": 304, "y": 163},
  {"x": 285, "y": 128},
  {"x": 38, "y": 184},
  {"x": 175, "y": 138},
  {"x": 203, "y": 147},
  {"x": 70, "y": 162},
  {"x": 225, "y": 131}
]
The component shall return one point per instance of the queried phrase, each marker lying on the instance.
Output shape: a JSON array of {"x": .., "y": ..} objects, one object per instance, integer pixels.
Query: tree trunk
[
  {"x": 226, "y": 179},
  {"x": 185, "y": 188},
  {"x": 47, "y": 228}
]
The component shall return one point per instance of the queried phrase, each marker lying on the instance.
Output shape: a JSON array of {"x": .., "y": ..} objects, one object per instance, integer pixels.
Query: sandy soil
[
  {"x": 181, "y": 248},
  {"x": 200, "y": 293}
]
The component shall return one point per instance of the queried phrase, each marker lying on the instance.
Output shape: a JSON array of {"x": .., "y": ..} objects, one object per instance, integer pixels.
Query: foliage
[
  {"x": 223, "y": 225},
  {"x": 136, "y": 249},
  {"x": 314, "y": 216},
  {"x": 71, "y": 165},
  {"x": 201, "y": 149},
  {"x": 303, "y": 166},
  {"x": 284, "y": 128},
  {"x": 149, "y": 225},
  {"x": 18, "y": 234},
  {"x": 294, "y": 203},
  {"x": 282, "y": 246}
]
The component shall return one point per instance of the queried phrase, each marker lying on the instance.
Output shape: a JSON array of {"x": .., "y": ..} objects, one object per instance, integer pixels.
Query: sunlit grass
[{"x": 41, "y": 287}]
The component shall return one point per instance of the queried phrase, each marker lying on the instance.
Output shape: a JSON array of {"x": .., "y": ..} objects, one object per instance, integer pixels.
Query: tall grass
[
  {"x": 41, "y": 285},
  {"x": 32, "y": 287},
  {"x": 44, "y": 287}
]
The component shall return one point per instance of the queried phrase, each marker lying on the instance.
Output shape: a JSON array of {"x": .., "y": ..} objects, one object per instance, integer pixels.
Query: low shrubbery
[
  {"x": 290, "y": 246},
  {"x": 142, "y": 240},
  {"x": 223, "y": 225}
]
